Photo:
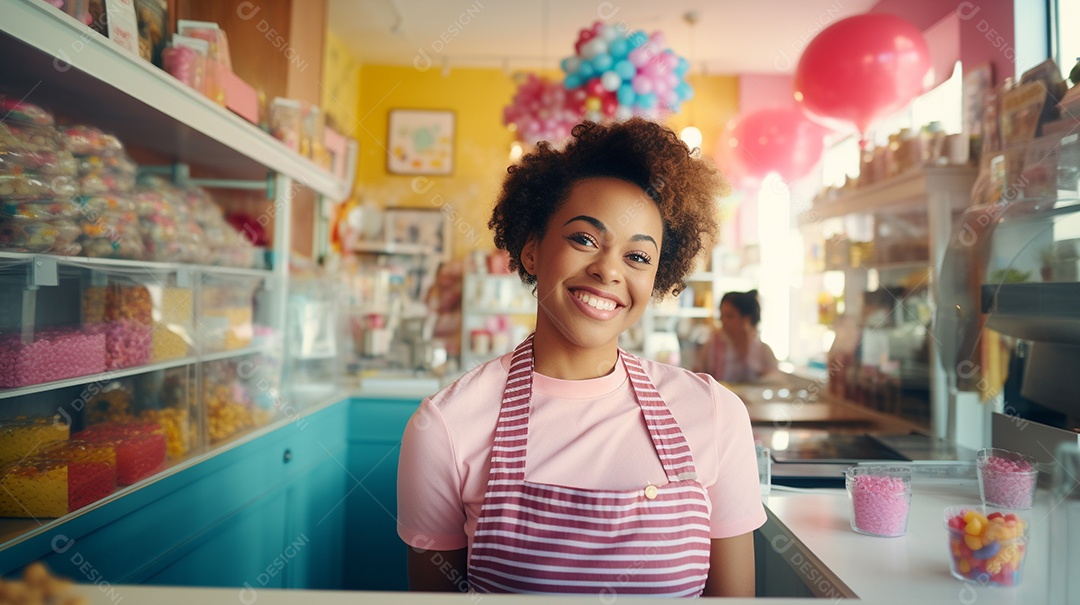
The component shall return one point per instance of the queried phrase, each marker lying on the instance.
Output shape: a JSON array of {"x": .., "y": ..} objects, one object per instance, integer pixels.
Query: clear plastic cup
[
  {"x": 1006, "y": 479},
  {"x": 985, "y": 545},
  {"x": 880, "y": 499}
]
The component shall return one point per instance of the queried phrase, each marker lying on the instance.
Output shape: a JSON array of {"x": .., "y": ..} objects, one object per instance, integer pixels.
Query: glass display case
[
  {"x": 865, "y": 306},
  {"x": 1009, "y": 322},
  {"x": 138, "y": 331}
]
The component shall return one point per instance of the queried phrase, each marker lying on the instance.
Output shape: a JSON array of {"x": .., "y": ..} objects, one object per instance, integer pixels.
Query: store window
[{"x": 1066, "y": 42}]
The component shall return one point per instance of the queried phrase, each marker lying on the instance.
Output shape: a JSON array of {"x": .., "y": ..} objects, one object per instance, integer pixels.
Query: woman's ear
[{"x": 528, "y": 255}]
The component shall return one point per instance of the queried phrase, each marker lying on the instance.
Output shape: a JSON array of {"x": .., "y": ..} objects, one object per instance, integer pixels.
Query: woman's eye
[
  {"x": 582, "y": 238},
  {"x": 640, "y": 257}
]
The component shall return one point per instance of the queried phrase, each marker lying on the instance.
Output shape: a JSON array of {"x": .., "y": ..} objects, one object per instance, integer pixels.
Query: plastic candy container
[
  {"x": 104, "y": 173},
  {"x": 880, "y": 499},
  {"x": 91, "y": 471},
  {"x": 1006, "y": 479},
  {"x": 170, "y": 232},
  {"x": 52, "y": 355},
  {"x": 122, "y": 313},
  {"x": 989, "y": 548},
  {"x": 22, "y": 435},
  {"x": 226, "y": 245},
  {"x": 140, "y": 448},
  {"x": 87, "y": 140},
  {"x": 34, "y": 488}
]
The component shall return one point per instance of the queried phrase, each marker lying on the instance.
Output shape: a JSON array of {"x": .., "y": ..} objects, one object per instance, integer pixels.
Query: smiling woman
[{"x": 641, "y": 477}]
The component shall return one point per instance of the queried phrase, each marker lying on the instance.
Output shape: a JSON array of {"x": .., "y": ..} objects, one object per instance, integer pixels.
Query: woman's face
[
  {"x": 596, "y": 263},
  {"x": 731, "y": 320}
]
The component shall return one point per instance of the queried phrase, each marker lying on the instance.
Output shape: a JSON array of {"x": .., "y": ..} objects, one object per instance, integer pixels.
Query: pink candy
[
  {"x": 1007, "y": 483},
  {"x": 880, "y": 505},
  {"x": 127, "y": 343},
  {"x": 53, "y": 355}
]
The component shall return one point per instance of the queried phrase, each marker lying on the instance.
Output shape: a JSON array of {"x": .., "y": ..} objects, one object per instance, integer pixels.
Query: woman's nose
[{"x": 606, "y": 267}]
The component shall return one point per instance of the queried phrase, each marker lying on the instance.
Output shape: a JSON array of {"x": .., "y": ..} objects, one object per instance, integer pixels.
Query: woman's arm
[
  {"x": 731, "y": 567},
  {"x": 439, "y": 570}
]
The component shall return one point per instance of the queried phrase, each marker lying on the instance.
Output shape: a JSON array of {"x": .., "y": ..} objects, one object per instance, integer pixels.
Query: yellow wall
[
  {"x": 341, "y": 85},
  {"x": 482, "y": 145}
]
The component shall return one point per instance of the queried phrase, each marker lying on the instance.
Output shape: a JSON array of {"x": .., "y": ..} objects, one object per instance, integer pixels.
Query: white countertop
[
  {"x": 909, "y": 569},
  {"x": 913, "y": 568}
]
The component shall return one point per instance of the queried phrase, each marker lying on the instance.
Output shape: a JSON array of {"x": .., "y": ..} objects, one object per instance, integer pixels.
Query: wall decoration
[
  {"x": 421, "y": 141},
  {"x": 417, "y": 227}
]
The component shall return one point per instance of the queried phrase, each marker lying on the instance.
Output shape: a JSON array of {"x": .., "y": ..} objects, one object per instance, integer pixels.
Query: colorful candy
[
  {"x": 986, "y": 548},
  {"x": 140, "y": 448},
  {"x": 23, "y": 435}
]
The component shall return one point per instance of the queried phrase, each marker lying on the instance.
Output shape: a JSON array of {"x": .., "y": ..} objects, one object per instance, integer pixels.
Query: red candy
[{"x": 140, "y": 448}]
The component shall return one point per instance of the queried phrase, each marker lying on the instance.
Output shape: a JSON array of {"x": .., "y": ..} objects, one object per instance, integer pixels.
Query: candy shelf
[
  {"x": 202, "y": 344},
  {"x": 90, "y": 78}
]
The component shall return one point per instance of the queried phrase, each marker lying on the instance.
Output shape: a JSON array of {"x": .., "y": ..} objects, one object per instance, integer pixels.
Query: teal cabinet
[
  {"x": 374, "y": 555},
  {"x": 311, "y": 504},
  {"x": 269, "y": 509}
]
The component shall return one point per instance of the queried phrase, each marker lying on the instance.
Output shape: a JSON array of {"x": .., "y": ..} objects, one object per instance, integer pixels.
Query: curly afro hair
[{"x": 684, "y": 187}]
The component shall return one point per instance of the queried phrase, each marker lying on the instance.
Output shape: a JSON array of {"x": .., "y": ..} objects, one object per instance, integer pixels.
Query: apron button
[{"x": 650, "y": 491}]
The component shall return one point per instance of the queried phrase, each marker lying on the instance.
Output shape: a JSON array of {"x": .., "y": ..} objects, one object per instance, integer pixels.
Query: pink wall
[{"x": 987, "y": 28}]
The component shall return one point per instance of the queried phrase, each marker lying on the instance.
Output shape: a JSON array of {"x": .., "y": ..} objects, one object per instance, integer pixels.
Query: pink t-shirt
[{"x": 582, "y": 433}]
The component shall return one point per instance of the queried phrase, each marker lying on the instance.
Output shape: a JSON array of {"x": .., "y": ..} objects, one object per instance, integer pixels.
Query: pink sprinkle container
[
  {"x": 1006, "y": 479},
  {"x": 880, "y": 499}
]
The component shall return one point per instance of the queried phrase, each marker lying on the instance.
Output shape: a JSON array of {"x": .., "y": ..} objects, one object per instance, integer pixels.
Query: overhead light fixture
[{"x": 691, "y": 135}]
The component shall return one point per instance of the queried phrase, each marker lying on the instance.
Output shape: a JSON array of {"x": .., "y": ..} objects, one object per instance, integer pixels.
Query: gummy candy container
[{"x": 988, "y": 549}]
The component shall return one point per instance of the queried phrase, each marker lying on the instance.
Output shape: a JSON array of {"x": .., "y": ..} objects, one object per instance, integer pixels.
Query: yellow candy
[
  {"x": 973, "y": 542},
  {"x": 964, "y": 566},
  {"x": 974, "y": 527}
]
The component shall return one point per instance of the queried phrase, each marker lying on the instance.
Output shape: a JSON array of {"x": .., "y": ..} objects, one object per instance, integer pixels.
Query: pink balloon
[
  {"x": 778, "y": 140},
  {"x": 642, "y": 84},
  {"x": 861, "y": 69},
  {"x": 638, "y": 57}
]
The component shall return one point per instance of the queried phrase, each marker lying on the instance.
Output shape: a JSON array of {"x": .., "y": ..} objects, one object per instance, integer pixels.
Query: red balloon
[
  {"x": 777, "y": 139},
  {"x": 861, "y": 69},
  {"x": 595, "y": 88}
]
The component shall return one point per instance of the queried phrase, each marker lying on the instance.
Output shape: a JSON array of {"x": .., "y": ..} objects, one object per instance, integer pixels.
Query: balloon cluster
[
  {"x": 618, "y": 75},
  {"x": 540, "y": 111}
]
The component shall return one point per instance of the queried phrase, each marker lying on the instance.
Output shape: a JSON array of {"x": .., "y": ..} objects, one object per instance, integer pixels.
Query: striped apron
[{"x": 538, "y": 538}]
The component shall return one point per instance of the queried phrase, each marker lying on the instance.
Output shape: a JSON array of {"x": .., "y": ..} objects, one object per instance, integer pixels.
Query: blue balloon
[
  {"x": 570, "y": 64},
  {"x": 637, "y": 38},
  {"x": 602, "y": 63},
  {"x": 647, "y": 100},
  {"x": 625, "y": 69},
  {"x": 675, "y": 107},
  {"x": 619, "y": 48},
  {"x": 681, "y": 67},
  {"x": 684, "y": 91},
  {"x": 572, "y": 81},
  {"x": 586, "y": 70},
  {"x": 626, "y": 95}
]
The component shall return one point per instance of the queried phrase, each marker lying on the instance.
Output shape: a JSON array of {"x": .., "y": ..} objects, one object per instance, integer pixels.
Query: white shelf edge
[
  {"x": 100, "y": 377},
  {"x": 895, "y": 192},
  {"x": 391, "y": 248},
  {"x": 149, "y": 266},
  {"x": 73, "y": 44},
  {"x": 132, "y": 371},
  {"x": 500, "y": 311},
  {"x": 218, "y": 356}
]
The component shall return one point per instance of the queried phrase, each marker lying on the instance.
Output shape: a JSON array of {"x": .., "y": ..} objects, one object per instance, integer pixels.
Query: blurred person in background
[{"x": 734, "y": 352}]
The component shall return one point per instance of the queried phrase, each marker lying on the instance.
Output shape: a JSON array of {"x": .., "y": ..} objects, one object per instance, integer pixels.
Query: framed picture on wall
[
  {"x": 420, "y": 141},
  {"x": 418, "y": 227}
]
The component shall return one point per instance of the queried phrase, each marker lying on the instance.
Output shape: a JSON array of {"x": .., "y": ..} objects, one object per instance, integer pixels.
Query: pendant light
[{"x": 691, "y": 135}]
